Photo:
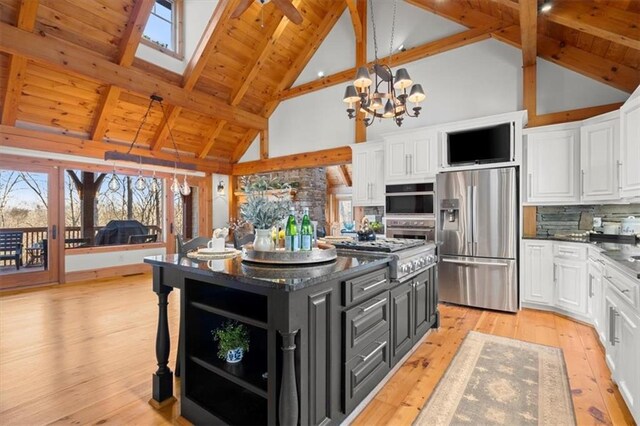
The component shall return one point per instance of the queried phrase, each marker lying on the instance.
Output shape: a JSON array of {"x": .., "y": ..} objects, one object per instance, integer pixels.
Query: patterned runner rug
[{"x": 495, "y": 380}]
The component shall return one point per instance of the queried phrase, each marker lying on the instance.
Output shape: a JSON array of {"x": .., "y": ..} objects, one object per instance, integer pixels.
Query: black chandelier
[{"x": 386, "y": 95}]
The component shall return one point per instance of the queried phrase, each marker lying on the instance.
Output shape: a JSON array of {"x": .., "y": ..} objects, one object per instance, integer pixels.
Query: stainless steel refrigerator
[{"x": 478, "y": 235}]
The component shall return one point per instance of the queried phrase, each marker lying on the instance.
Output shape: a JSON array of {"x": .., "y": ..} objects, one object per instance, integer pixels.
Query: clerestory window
[{"x": 164, "y": 27}]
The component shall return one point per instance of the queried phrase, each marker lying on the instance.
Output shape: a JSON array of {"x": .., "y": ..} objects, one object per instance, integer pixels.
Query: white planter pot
[
  {"x": 263, "y": 241},
  {"x": 234, "y": 355}
]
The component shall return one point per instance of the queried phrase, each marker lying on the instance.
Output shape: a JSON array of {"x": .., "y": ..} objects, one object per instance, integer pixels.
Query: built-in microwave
[{"x": 409, "y": 199}]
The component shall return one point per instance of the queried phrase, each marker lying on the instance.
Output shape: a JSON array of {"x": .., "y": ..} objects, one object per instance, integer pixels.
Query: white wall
[
  {"x": 220, "y": 202},
  {"x": 253, "y": 152},
  {"x": 90, "y": 261},
  {"x": 196, "y": 16}
]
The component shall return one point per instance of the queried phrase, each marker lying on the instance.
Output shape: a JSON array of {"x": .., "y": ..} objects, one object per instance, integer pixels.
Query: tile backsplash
[{"x": 563, "y": 219}]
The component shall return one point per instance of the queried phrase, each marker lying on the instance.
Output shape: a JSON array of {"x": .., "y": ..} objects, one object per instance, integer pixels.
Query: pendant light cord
[
  {"x": 144, "y": 119},
  {"x": 166, "y": 123},
  {"x": 373, "y": 26}
]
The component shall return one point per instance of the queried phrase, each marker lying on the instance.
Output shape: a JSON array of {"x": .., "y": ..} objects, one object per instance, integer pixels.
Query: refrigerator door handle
[
  {"x": 479, "y": 263},
  {"x": 475, "y": 219},
  {"x": 469, "y": 231}
]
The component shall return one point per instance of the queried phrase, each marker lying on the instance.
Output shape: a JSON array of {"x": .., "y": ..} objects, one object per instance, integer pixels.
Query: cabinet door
[
  {"x": 397, "y": 159},
  {"x": 423, "y": 158},
  {"x": 376, "y": 176},
  {"x": 421, "y": 309},
  {"x": 361, "y": 184},
  {"x": 628, "y": 363},
  {"x": 594, "y": 296},
  {"x": 599, "y": 145},
  {"x": 401, "y": 324},
  {"x": 537, "y": 274},
  {"x": 630, "y": 148},
  {"x": 552, "y": 166},
  {"x": 612, "y": 327},
  {"x": 571, "y": 281}
]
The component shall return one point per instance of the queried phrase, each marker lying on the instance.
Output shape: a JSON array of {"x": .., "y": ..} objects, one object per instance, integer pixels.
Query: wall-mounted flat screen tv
[{"x": 480, "y": 146}]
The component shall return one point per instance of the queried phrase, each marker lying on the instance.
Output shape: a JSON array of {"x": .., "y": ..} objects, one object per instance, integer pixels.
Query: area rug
[{"x": 495, "y": 380}]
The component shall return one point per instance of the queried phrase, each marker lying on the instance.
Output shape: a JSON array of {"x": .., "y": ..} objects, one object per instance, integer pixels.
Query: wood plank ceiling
[{"x": 241, "y": 70}]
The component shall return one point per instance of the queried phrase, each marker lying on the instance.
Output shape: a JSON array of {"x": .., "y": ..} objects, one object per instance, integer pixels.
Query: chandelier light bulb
[
  {"x": 175, "y": 186},
  {"x": 185, "y": 189},
  {"x": 417, "y": 94},
  {"x": 141, "y": 184},
  {"x": 154, "y": 186},
  {"x": 363, "y": 79},
  {"x": 114, "y": 183},
  {"x": 402, "y": 79},
  {"x": 388, "y": 110}
]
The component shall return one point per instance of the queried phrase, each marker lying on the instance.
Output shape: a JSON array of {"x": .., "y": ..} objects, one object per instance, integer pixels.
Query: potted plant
[{"x": 233, "y": 341}]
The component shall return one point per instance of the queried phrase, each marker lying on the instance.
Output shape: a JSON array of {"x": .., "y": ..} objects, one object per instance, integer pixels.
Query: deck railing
[{"x": 33, "y": 236}]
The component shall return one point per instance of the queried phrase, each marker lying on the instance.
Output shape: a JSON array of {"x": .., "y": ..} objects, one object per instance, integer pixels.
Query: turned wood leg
[
  {"x": 288, "y": 403},
  {"x": 162, "y": 391}
]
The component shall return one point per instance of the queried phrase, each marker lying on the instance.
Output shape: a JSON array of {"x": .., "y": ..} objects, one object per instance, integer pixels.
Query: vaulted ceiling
[{"x": 69, "y": 67}]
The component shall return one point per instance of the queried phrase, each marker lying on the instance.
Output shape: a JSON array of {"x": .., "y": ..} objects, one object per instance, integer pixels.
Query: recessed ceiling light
[
  {"x": 401, "y": 48},
  {"x": 546, "y": 7},
  {"x": 320, "y": 74}
]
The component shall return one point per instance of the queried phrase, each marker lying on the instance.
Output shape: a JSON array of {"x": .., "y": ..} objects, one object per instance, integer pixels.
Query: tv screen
[{"x": 478, "y": 146}]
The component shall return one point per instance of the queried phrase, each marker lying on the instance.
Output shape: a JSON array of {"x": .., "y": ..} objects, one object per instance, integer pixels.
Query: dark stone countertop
[
  {"x": 285, "y": 278},
  {"x": 619, "y": 253}
]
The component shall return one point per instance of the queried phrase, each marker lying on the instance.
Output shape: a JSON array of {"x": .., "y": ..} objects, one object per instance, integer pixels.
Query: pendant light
[
  {"x": 141, "y": 184},
  {"x": 175, "y": 185},
  {"x": 185, "y": 189},
  {"x": 114, "y": 182},
  {"x": 154, "y": 186}
]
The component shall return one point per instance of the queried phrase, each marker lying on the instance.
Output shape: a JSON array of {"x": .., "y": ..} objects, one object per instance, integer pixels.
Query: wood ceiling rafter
[
  {"x": 215, "y": 28},
  {"x": 126, "y": 53},
  {"x": 356, "y": 19},
  {"x": 344, "y": 175},
  {"x": 596, "y": 67},
  {"x": 71, "y": 58},
  {"x": 273, "y": 33},
  {"x": 431, "y": 48},
  {"x": 319, "y": 34},
  {"x": 26, "y": 20},
  {"x": 211, "y": 138}
]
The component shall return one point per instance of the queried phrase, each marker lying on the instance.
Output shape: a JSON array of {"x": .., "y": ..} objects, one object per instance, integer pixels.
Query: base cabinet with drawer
[{"x": 413, "y": 312}]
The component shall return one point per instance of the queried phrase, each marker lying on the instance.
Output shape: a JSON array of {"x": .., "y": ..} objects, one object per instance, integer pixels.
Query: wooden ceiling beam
[
  {"x": 126, "y": 53},
  {"x": 27, "y": 13},
  {"x": 49, "y": 142},
  {"x": 63, "y": 55},
  {"x": 356, "y": 20},
  {"x": 344, "y": 174},
  {"x": 596, "y": 67},
  {"x": 571, "y": 115},
  {"x": 529, "y": 37},
  {"x": 327, "y": 157},
  {"x": 610, "y": 23},
  {"x": 211, "y": 138},
  {"x": 213, "y": 31},
  {"x": 243, "y": 145},
  {"x": 432, "y": 48},
  {"x": 263, "y": 51}
]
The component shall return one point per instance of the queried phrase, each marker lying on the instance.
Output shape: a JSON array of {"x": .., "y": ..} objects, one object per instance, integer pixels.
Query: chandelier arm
[{"x": 144, "y": 119}]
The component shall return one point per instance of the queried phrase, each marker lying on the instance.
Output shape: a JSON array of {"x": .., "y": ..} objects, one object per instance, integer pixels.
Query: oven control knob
[
  {"x": 416, "y": 264},
  {"x": 430, "y": 259}
]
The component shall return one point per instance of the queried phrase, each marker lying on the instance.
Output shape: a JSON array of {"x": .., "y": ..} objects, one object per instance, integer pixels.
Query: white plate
[{"x": 214, "y": 251}]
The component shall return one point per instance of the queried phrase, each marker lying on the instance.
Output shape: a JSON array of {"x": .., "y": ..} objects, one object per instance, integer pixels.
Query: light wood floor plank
[{"x": 84, "y": 353}]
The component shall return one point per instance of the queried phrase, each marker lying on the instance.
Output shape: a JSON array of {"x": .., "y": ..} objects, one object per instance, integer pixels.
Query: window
[
  {"x": 97, "y": 215},
  {"x": 345, "y": 212},
  {"x": 164, "y": 30}
]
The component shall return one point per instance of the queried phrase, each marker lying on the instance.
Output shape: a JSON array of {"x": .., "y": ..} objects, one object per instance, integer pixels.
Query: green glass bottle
[
  {"x": 306, "y": 231},
  {"x": 291, "y": 241}
]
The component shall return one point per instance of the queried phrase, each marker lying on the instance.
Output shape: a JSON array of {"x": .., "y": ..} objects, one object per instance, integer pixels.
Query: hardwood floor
[{"x": 84, "y": 353}]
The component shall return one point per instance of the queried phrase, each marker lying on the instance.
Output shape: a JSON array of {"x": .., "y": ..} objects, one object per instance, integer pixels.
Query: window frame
[{"x": 177, "y": 35}]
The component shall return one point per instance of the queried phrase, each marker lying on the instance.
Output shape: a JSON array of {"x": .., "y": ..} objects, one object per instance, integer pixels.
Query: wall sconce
[{"x": 220, "y": 188}]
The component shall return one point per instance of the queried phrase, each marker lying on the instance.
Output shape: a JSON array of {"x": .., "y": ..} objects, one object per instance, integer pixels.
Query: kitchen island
[{"x": 321, "y": 337}]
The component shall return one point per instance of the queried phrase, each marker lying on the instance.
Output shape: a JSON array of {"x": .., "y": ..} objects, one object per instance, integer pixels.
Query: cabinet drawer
[
  {"x": 567, "y": 251},
  {"x": 365, "y": 370},
  {"x": 623, "y": 286},
  {"x": 365, "y": 322},
  {"x": 361, "y": 288}
]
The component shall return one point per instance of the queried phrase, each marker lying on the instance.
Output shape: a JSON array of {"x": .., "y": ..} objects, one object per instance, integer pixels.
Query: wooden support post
[
  {"x": 288, "y": 402},
  {"x": 264, "y": 144},
  {"x": 529, "y": 88},
  {"x": 361, "y": 60},
  {"x": 162, "y": 387},
  {"x": 529, "y": 36}
]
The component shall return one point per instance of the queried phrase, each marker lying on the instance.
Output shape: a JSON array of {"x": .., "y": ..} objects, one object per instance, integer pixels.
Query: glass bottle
[
  {"x": 291, "y": 242},
  {"x": 306, "y": 231}
]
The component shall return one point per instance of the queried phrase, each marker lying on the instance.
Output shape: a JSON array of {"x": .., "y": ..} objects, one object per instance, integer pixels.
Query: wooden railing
[{"x": 35, "y": 235}]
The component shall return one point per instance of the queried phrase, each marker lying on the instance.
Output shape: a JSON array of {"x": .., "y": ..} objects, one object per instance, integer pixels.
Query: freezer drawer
[{"x": 479, "y": 282}]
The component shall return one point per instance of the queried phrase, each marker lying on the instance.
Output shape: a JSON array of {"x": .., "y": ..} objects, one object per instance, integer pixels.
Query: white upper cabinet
[
  {"x": 630, "y": 148},
  {"x": 552, "y": 166},
  {"x": 411, "y": 157},
  {"x": 368, "y": 179},
  {"x": 600, "y": 168}
]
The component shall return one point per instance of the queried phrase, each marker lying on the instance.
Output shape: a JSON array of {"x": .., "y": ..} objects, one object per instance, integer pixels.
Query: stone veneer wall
[
  {"x": 562, "y": 219},
  {"x": 312, "y": 190}
]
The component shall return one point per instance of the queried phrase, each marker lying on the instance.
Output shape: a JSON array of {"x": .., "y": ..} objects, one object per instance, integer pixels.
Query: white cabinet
[
  {"x": 537, "y": 283},
  {"x": 552, "y": 166},
  {"x": 368, "y": 178},
  {"x": 630, "y": 148},
  {"x": 595, "y": 296},
  {"x": 600, "y": 167},
  {"x": 570, "y": 282},
  {"x": 622, "y": 346},
  {"x": 411, "y": 157}
]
